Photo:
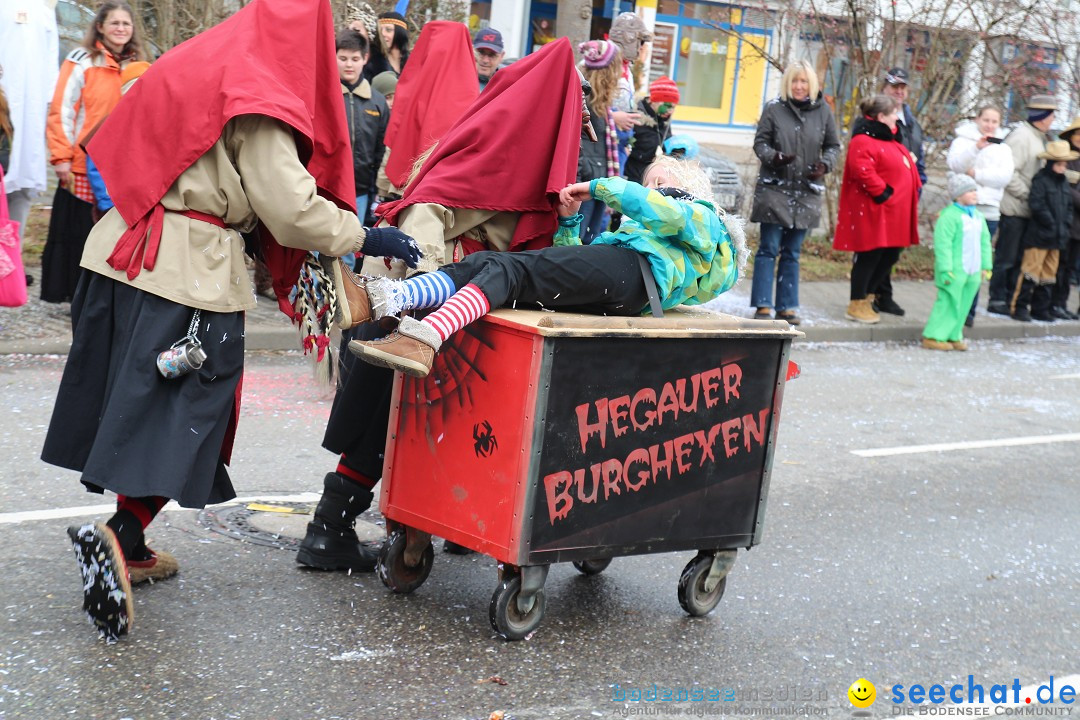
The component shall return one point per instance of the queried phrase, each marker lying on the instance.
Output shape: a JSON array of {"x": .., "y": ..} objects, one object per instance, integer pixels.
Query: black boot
[
  {"x": 885, "y": 304},
  {"x": 1020, "y": 310},
  {"x": 1040, "y": 304},
  {"x": 331, "y": 542}
]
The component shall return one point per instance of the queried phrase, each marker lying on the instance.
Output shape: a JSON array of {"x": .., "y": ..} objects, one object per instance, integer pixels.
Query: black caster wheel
[
  {"x": 507, "y": 618},
  {"x": 692, "y": 594},
  {"x": 593, "y": 566},
  {"x": 392, "y": 569}
]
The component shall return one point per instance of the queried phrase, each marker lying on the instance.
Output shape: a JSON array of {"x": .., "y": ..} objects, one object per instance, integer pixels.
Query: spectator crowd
[{"x": 1035, "y": 249}]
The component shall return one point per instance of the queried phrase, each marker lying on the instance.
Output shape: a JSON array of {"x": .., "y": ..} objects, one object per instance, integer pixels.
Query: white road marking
[
  {"x": 968, "y": 445},
  {"x": 84, "y": 510},
  {"x": 1075, "y": 376}
]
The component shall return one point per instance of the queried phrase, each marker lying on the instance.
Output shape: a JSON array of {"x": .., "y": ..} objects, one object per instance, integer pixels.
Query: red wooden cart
[{"x": 552, "y": 437}]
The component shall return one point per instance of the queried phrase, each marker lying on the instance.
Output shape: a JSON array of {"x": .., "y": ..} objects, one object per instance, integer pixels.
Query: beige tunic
[
  {"x": 251, "y": 173},
  {"x": 437, "y": 230}
]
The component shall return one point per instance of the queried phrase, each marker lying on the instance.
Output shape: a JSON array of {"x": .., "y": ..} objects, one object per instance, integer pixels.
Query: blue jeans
[
  {"x": 361, "y": 211},
  {"x": 788, "y": 242},
  {"x": 594, "y": 222}
]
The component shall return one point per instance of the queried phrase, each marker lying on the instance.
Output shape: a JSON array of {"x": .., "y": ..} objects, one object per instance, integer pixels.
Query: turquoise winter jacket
[{"x": 688, "y": 248}]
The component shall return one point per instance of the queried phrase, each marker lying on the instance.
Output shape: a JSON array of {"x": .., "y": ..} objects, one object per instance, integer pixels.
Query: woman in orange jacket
[{"x": 86, "y": 91}]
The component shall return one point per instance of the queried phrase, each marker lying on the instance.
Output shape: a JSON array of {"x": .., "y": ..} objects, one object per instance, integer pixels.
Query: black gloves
[
  {"x": 782, "y": 159},
  {"x": 817, "y": 171},
  {"x": 391, "y": 242},
  {"x": 879, "y": 199}
]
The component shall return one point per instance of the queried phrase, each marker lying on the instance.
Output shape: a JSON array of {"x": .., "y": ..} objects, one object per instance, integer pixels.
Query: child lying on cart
[{"x": 692, "y": 252}]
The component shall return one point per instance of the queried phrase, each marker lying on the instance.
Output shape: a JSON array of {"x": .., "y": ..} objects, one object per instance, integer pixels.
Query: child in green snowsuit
[{"x": 961, "y": 260}]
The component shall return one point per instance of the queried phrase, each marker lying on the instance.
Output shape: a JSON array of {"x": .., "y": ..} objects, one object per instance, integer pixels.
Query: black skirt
[
  {"x": 122, "y": 424},
  {"x": 69, "y": 224}
]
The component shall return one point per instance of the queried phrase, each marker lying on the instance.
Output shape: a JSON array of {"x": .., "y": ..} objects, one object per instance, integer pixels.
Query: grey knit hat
[
  {"x": 628, "y": 31},
  {"x": 960, "y": 183}
]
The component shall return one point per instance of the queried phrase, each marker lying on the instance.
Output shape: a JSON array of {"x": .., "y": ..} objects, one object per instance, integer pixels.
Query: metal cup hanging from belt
[{"x": 185, "y": 355}]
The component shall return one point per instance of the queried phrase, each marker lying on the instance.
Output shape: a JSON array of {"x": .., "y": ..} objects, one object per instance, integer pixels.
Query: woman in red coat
[{"x": 878, "y": 200}]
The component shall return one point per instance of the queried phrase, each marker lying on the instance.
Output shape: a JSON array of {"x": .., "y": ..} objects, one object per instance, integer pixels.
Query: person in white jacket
[{"x": 978, "y": 151}]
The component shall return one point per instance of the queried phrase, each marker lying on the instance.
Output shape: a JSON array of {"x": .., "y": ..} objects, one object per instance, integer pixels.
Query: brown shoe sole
[{"x": 374, "y": 356}]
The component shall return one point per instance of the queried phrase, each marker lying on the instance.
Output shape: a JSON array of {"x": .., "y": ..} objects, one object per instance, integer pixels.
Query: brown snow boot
[
  {"x": 409, "y": 349},
  {"x": 860, "y": 311}
]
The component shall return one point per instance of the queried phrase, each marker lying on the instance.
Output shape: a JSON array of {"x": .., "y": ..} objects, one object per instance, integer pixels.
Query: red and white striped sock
[{"x": 467, "y": 305}]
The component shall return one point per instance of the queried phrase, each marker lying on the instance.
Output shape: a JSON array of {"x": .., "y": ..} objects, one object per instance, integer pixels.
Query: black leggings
[
  {"x": 870, "y": 268},
  {"x": 597, "y": 279}
]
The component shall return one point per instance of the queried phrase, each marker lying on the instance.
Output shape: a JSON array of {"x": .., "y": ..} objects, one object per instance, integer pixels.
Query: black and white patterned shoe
[{"x": 106, "y": 587}]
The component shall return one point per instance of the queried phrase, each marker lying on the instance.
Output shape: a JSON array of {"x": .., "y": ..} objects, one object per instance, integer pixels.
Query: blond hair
[
  {"x": 605, "y": 83},
  {"x": 799, "y": 67},
  {"x": 418, "y": 164},
  {"x": 690, "y": 176}
]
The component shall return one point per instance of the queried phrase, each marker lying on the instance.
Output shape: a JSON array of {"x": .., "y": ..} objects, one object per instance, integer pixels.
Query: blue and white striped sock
[{"x": 426, "y": 290}]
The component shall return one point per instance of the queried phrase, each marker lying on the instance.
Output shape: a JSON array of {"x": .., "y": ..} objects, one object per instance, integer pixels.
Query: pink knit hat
[{"x": 597, "y": 54}]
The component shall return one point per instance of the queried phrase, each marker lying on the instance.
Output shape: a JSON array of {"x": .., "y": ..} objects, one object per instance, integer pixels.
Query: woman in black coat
[{"x": 797, "y": 144}]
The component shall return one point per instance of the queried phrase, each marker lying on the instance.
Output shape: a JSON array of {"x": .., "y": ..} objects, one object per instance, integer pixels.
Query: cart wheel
[
  {"x": 593, "y": 566},
  {"x": 505, "y": 615},
  {"x": 392, "y": 569},
  {"x": 692, "y": 595}
]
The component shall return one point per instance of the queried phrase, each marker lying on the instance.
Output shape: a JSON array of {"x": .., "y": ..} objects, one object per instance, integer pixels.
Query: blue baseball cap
[{"x": 488, "y": 39}]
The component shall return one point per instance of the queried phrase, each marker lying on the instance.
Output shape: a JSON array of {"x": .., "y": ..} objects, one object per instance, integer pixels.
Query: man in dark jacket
[
  {"x": 895, "y": 84},
  {"x": 366, "y": 113},
  {"x": 1051, "y": 206},
  {"x": 654, "y": 126}
]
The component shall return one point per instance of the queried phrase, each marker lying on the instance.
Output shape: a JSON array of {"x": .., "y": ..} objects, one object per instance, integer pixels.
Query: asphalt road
[{"x": 922, "y": 567}]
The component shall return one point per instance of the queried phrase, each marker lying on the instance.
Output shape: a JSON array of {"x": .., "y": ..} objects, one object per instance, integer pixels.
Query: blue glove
[{"x": 391, "y": 242}]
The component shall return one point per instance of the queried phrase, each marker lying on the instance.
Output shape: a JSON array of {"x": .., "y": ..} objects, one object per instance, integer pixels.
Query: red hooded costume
[
  {"x": 435, "y": 88},
  {"x": 274, "y": 58},
  {"x": 514, "y": 149}
]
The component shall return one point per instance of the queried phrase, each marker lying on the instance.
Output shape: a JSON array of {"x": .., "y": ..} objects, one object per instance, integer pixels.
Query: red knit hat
[{"x": 664, "y": 89}]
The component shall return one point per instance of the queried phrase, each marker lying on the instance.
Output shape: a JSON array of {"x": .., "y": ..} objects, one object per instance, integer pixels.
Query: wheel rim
[
  {"x": 708, "y": 599},
  {"x": 393, "y": 571},
  {"x": 519, "y": 621},
  {"x": 507, "y": 619}
]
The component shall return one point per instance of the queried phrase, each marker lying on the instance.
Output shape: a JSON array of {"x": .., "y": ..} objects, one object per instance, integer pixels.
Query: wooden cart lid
[{"x": 682, "y": 322}]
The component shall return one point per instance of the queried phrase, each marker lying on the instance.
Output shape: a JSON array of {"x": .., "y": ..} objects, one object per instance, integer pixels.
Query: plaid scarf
[{"x": 611, "y": 139}]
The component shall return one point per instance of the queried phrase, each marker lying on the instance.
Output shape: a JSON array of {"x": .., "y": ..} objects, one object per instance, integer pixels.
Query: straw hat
[
  {"x": 1074, "y": 125},
  {"x": 1057, "y": 150}
]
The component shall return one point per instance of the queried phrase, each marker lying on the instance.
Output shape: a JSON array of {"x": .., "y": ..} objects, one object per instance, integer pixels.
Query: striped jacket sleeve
[{"x": 61, "y": 130}]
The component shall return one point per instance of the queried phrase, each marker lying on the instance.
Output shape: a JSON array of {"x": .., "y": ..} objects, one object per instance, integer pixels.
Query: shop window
[
  {"x": 703, "y": 63},
  {"x": 479, "y": 15}
]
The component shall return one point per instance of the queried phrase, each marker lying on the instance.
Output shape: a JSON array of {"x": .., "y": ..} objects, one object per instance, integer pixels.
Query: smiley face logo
[{"x": 862, "y": 693}]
